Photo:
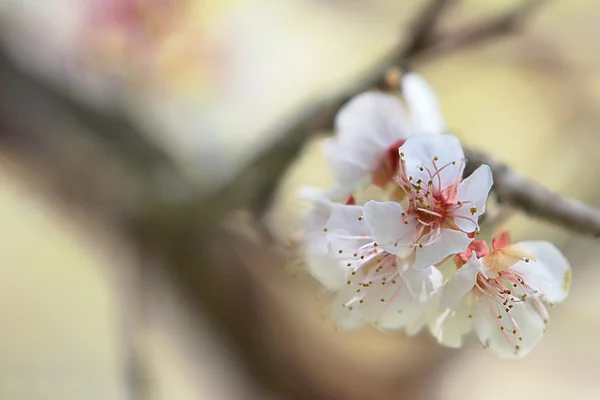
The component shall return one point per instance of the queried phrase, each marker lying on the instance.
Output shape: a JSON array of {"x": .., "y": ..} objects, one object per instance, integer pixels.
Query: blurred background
[{"x": 206, "y": 81}]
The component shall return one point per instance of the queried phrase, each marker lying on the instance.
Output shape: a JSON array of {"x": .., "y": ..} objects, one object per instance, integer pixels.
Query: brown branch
[
  {"x": 535, "y": 200},
  {"x": 468, "y": 37}
]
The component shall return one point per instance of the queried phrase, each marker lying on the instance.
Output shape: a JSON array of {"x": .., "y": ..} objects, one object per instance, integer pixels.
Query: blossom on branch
[
  {"x": 503, "y": 294},
  {"x": 382, "y": 260}
]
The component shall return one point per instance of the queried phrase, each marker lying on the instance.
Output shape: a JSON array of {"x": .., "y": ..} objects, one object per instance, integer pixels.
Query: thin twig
[{"x": 468, "y": 37}]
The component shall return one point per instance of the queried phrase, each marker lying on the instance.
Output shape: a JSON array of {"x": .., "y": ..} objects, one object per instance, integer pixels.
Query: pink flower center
[
  {"x": 432, "y": 205},
  {"x": 477, "y": 246}
]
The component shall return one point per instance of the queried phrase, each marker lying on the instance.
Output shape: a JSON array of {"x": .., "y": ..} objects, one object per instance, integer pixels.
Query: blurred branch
[
  {"x": 532, "y": 198},
  {"x": 470, "y": 36}
]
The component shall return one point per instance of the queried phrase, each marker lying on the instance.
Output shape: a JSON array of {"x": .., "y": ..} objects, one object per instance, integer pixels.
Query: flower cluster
[{"x": 415, "y": 261}]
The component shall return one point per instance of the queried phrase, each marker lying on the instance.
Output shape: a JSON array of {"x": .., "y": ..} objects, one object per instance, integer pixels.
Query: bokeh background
[{"x": 207, "y": 80}]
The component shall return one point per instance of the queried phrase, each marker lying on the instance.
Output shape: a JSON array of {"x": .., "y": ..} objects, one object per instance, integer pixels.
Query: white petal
[
  {"x": 372, "y": 308},
  {"x": 503, "y": 342},
  {"x": 549, "y": 273},
  {"x": 323, "y": 266},
  {"x": 460, "y": 284},
  {"x": 372, "y": 118},
  {"x": 419, "y": 151},
  {"x": 418, "y": 315},
  {"x": 451, "y": 325},
  {"x": 422, "y": 283},
  {"x": 347, "y": 219},
  {"x": 423, "y": 104},
  {"x": 385, "y": 221},
  {"x": 351, "y": 172},
  {"x": 403, "y": 313},
  {"x": 473, "y": 191},
  {"x": 365, "y": 127},
  {"x": 449, "y": 242},
  {"x": 321, "y": 209},
  {"x": 346, "y": 317},
  {"x": 319, "y": 257}
]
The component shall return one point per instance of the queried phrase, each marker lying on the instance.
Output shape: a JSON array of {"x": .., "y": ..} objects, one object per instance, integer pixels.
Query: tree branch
[
  {"x": 470, "y": 36},
  {"x": 535, "y": 200}
]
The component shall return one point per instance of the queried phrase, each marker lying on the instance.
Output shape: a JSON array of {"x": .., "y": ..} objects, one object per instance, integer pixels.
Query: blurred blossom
[{"x": 161, "y": 43}]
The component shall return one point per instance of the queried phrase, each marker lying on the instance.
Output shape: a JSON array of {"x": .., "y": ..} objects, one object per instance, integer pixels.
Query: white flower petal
[
  {"x": 403, "y": 313},
  {"x": 452, "y": 325},
  {"x": 343, "y": 230},
  {"x": 460, "y": 284},
  {"x": 527, "y": 323},
  {"x": 422, "y": 283},
  {"x": 423, "y": 104},
  {"x": 373, "y": 308},
  {"x": 347, "y": 219},
  {"x": 323, "y": 266},
  {"x": 419, "y": 152},
  {"x": 372, "y": 118},
  {"x": 351, "y": 172},
  {"x": 385, "y": 221},
  {"x": 549, "y": 273},
  {"x": 449, "y": 242},
  {"x": 473, "y": 192},
  {"x": 346, "y": 317},
  {"x": 417, "y": 315},
  {"x": 365, "y": 127},
  {"x": 320, "y": 212}
]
